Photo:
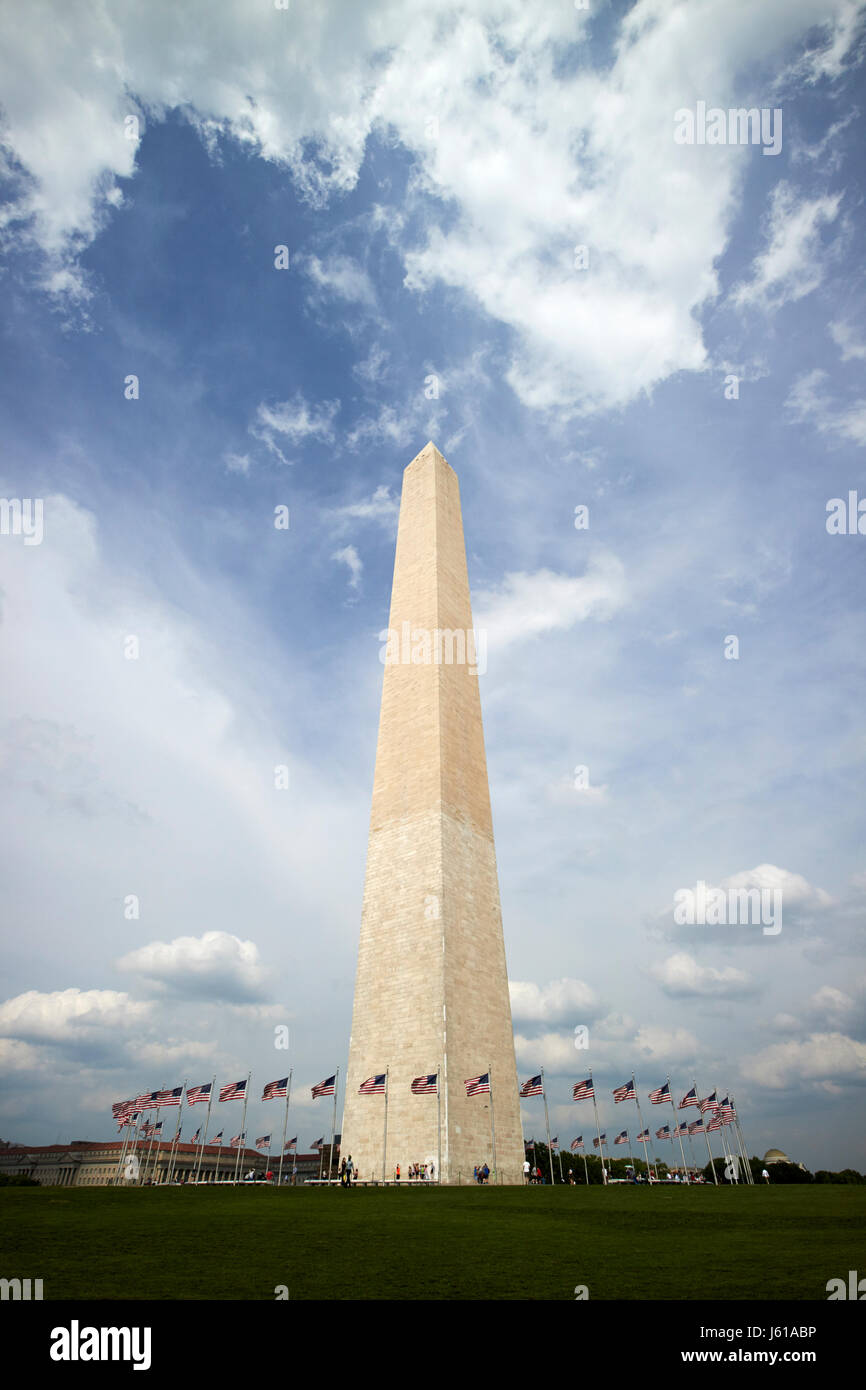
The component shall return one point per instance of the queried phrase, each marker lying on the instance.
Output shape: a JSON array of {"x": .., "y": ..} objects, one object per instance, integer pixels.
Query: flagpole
[
  {"x": 731, "y": 1124},
  {"x": 385, "y": 1135},
  {"x": 707, "y": 1137},
  {"x": 676, "y": 1127},
  {"x": 493, "y": 1123},
  {"x": 285, "y": 1129},
  {"x": 585, "y": 1169},
  {"x": 123, "y": 1147},
  {"x": 243, "y": 1127},
  {"x": 149, "y": 1149},
  {"x": 643, "y": 1130},
  {"x": 173, "y": 1159},
  {"x": 742, "y": 1140},
  {"x": 333, "y": 1124},
  {"x": 726, "y": 1147},
  {"x": 547, "y": 1126},
  {"x": 206, "y": 1126},
  {"x": 597, "y": 1130},
  {"x": 439, "y": 1122},
  {"x": 216, "y": 1176}
]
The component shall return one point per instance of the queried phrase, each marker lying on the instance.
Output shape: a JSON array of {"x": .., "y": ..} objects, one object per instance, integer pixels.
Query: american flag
[
  {"x": 217, "y": 1139},
  {"x": 198, "y": 1093},
  {"x": 716, "y": 1122},
  {"x": 529, "y": 1145},
  {"x": 235, "y": 1091},
  {"x": 533, "y": 1087},
  {"x": 292, "y": 1144},
  {"x": 318, "y": 1144},
  {"x": 478, "y": 1085},
  {"x": 662, "y": 1094},
  {"x": 276, "y": 1090},
  {"x": 238, "y": 1139},
  {"x": 172, "y": 1097},
  {"x": 664, "y": 1132},
  {"x": 325, "y": 1088},
  {"x": 643, "y": 1138},
  {"x": 622, "y": 1138},
  {"x": 710, "y": 1103},
  {"x": 726, "y": 1110},
  {"x": 625, "y": 1092},
  {"x": 121, "y": 1108},
  {"x": 690, "y": 1099},
  {"x": 583, "y": 1090},
  {"x": 554, "y": 1143},
  {"x": 602, "y": 1140},
  {"x": 264, "y": 1142},
  {"x": 424, "y": 1085},
  {"x": 147, "y": 1101},
  {"x": 681, "y": 1131},
  {"x": 373, "y": 1086},
  {"x": 697, "y": 1125},
  {"x": 577, "y": 1143},
  {"x": 196, "y": 1136}
]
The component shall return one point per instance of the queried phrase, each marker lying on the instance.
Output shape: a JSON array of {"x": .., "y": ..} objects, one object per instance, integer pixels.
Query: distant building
[
  {"x": 86, "y": 1164},
  {"x": 776, "y": 1156}
]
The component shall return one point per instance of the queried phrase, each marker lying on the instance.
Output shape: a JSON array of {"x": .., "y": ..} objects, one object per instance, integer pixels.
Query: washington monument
[{"x": 431, "y": 990}]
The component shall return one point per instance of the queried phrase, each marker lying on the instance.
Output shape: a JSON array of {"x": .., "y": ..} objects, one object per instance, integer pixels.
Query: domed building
[{"x": 776, "y": 1156}]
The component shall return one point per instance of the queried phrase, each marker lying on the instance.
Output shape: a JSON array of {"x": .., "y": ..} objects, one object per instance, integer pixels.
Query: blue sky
[{"x": 431, "y": 168}]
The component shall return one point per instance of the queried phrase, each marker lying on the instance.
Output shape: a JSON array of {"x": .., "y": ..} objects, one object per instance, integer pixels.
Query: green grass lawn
[{"x": 467, "y": 1243}]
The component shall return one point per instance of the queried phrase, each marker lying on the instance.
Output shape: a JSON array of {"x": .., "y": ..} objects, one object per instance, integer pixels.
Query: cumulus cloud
[
  {"x": 214, "y": 966},
  {"x": 560, "y": 1000},
  {"x": 680, "y": 976},
  {"x": 553, "y": 1051},
  {"x": 70, "y": 1015},
  {"x": 829, "y": 1059},
  {"x": 530, "y": 605},
  {"x": 480, "y": 99}
]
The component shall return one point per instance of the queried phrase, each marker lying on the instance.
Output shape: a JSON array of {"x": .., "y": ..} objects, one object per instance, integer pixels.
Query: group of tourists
[
  {"x": 481, "y": 1174},
  {"x": 418, "y": 1172},
  {"x": 348, "y": 1172}
]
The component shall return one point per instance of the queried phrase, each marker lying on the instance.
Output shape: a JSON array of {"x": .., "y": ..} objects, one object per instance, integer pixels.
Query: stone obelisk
[{"x": 431, "y": 991}]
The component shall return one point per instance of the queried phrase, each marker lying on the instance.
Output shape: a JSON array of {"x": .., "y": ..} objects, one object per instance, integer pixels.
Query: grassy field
[{"x": 468, "y": 1243}]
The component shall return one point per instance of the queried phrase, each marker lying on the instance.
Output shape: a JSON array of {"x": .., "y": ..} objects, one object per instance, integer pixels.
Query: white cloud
[
  {"x": 349, "y": 557},
  {"x": 70, "y": 1014},
  {"x": 237, "y": 463},
  {"x": 553, "y": 1051},
  {"x": 809, "y": 402},
  {"x": 215, "y": 966},
  {"x": 796, "y": 891},
  {"x": 666, "y": 1044},
  {"x": 295, "y": 420},
  {"x": 826, "y": 1058},
  {"x": 530, "y": 605},
  {"x": 850, "y": 345},
  {"x": 479, "y": 97},
  {"x": 553, "y": 1003},
  {"x": 791, "y": 267},
  {"x": 372, "y": 368},
  {"x": 680, "y": 976},
  {"x": 383, "y": 507},
  {"x": 341, "y": 277}
]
